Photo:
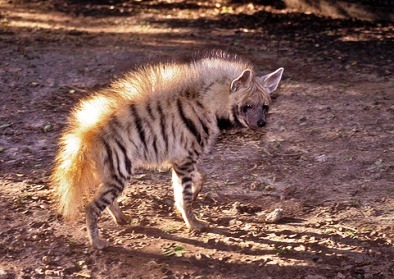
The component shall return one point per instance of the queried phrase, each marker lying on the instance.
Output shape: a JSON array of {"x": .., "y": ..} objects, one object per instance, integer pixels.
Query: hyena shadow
[{"x": 197, "y": 239}]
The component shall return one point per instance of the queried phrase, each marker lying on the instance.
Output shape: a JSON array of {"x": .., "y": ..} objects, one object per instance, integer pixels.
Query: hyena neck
[
  {"x": 215, "y": 92},
  {"x": 225, "y": 123}
]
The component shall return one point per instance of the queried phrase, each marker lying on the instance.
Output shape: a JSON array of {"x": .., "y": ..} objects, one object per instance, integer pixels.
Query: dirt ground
[{"x": 326, "y": 158}]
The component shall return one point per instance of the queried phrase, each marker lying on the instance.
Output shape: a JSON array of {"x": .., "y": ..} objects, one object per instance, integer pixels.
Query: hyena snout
[
  {"x": 256, "y": 117},
  {"x": 257, "y": 122}
]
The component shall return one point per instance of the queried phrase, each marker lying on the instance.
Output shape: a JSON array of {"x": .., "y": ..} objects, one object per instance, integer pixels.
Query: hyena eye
[
  {"x": 266, "y": 108},
  {"x": 246, "y": 107}
]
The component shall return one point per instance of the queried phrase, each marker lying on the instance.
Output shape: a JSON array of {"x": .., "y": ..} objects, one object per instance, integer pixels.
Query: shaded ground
[{"x": 326, "y": 158}]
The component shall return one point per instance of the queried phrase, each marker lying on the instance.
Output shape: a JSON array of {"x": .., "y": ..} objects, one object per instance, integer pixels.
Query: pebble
[{"x": 274, "y": 216}]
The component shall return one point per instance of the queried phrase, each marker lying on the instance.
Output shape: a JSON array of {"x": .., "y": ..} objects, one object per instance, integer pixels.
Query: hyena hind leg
[
  {"x": 117, "y": 215},
  {"x": 105, "y": 197},
  {"x": 185, "y": 193},
  {"x": 198, "y": 179}
]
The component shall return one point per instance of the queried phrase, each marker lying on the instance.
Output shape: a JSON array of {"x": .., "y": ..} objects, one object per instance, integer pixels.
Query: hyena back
[{"x": 161, "y": 114}]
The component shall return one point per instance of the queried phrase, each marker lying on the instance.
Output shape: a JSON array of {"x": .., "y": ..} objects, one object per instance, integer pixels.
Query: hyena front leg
[
  {"x": 105, "y": 197},
  {"x": 119, "y": 217},
  {"x": 187, "y": 183}
]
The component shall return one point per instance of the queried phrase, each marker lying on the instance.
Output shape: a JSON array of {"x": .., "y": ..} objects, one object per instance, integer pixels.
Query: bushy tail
[{"x": 75, "y": 173}]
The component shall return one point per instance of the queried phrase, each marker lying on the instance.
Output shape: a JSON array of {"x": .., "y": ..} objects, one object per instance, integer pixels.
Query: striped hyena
[{"x": 160, "y": 114}]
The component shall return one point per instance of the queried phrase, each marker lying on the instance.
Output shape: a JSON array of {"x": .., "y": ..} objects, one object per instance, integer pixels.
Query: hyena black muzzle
[{"x": 255, "y": 115}]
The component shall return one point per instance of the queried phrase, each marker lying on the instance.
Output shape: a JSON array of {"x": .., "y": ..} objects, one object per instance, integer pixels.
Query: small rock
[
  {"x": 198, "y": 256},
  {"x": 152, "y": 265},
  {"x": 274, "y": 216},
  {"x": 269, "y": 188},
  {"x": 321, "y": 158}
]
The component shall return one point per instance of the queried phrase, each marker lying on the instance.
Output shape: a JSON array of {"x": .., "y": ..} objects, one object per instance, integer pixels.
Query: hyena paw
[
  {"x": 123, "y": 220},
  {"x": 100, "y": 243},
  {"x": 198, "y": 225}
]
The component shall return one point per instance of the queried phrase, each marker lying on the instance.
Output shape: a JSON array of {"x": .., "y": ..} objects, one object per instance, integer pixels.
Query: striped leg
[
  {"x": 105, "y": 197},
  {"x": 119, "y": 217},
  {"x": 187, "y": 183},
  {"x": 198, "y": 179}
]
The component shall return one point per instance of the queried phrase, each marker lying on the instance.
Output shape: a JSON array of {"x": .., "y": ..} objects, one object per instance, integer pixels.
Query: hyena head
[{"x": 250, "y": 97}]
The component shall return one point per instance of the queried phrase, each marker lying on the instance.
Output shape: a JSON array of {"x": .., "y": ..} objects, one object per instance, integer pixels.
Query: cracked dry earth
[{"x": 325, "y": 159}]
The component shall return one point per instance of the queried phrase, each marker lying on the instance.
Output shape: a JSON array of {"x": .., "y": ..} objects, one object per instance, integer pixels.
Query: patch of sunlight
[
  {"x": 56, "y": 21},
  {"x": 371, "y": 34}
]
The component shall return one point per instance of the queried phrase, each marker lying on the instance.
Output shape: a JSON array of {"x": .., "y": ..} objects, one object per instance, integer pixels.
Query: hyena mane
[{"x": 167, "y": 113}]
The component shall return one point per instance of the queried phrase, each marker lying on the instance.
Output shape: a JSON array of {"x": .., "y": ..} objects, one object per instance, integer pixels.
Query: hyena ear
[
  {"x": 243, "y": 80},
  {"x": 271, "y": 81}
]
